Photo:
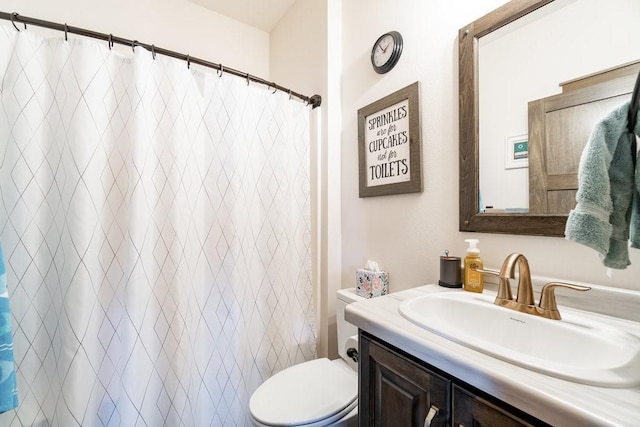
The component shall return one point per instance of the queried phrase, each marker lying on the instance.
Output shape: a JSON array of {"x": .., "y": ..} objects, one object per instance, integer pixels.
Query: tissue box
[{"x": 370, "y": 284}]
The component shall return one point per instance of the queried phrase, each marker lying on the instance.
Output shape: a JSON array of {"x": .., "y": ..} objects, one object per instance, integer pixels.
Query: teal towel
[
  {"x": 607, "y": 213},
  {"x": 8, "y": 386}
]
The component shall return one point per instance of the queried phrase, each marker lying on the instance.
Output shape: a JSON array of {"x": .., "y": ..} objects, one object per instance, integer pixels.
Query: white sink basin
[{"x": 575, "y": 348}]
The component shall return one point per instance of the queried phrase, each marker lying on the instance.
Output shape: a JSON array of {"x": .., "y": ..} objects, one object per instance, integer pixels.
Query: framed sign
[
  {"x": 389, "y": 144},
  {"x": 516, "y": 152}
]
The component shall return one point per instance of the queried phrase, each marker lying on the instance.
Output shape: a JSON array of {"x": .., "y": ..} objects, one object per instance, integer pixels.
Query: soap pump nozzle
[{"x": 473, "y": 246}]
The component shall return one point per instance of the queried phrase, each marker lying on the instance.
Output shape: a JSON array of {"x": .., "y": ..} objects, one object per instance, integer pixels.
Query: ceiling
[{"x": 262, "y": 14}]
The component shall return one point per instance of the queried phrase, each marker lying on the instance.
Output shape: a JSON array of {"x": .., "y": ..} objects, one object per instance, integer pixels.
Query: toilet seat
[{"x": 314, "y": 393}]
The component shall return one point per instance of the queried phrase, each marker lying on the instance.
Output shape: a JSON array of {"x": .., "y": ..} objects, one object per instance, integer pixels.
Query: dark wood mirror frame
[{"x": 470, "y": 218}]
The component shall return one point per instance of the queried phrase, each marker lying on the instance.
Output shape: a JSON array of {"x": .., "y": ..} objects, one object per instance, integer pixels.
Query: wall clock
[{"x": 386, "y": 52}]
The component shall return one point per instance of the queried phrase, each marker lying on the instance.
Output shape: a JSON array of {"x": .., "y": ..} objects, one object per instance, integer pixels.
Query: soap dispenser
[{"x": 473, "y": 280}]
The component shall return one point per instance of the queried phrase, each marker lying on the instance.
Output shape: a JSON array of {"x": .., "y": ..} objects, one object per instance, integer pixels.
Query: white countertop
[{"x": 554, "y": 401}]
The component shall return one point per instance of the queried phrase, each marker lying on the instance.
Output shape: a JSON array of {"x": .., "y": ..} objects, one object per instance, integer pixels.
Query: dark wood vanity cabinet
[
  {"x": 397, "y": 390},
  {"x": 470, "y": 410}
]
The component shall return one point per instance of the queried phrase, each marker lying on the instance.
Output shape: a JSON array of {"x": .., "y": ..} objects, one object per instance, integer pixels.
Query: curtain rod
[{"x": 315, "y": 100}]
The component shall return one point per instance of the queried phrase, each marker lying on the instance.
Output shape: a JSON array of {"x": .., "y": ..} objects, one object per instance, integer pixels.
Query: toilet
[{"x": 316, "y": 393}]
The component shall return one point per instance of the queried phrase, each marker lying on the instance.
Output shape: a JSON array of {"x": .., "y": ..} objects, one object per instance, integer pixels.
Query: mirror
[{"x": 477, "y": 47}]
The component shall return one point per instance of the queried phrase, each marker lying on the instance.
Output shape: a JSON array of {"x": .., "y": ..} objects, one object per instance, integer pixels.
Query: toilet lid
[{"x": 304, "y": 394}]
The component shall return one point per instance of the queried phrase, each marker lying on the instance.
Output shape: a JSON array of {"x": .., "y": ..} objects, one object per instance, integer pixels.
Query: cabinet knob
[{"x": 433, "y": 411}]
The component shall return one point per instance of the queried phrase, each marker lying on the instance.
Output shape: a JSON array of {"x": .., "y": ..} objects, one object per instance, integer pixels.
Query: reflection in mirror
[
  {"x": 505, "y": 67},
  {"x": 560, "y": 124},
  {"x": 527, "y": 60}
]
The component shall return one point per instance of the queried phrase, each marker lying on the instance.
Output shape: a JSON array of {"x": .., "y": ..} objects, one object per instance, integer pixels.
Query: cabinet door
[
  {"x": 470, "y": 410},
  {"x": 395, "y": 391},
  {"x": 559, "y": 128}
]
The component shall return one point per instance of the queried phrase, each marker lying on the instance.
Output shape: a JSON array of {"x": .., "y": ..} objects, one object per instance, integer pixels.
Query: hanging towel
[
  {"x": 8, "y": 386},
  {"x": 607, "y": 192}
]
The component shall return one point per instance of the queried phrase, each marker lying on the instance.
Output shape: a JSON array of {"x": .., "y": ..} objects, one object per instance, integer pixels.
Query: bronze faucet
[{"x": 524, "y": 301}]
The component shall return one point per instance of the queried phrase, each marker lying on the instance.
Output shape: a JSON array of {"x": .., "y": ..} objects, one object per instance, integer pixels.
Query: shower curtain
[{"x": 156, "y": 227}]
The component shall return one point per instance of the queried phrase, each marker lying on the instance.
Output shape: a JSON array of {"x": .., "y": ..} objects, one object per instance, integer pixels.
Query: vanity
[
  {"x": 397, "y": 389},
  {"x": 410, "y": 375}
]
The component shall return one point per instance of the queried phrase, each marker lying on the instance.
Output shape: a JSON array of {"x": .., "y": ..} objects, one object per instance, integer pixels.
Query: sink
[{"x": 576, "y": 348}]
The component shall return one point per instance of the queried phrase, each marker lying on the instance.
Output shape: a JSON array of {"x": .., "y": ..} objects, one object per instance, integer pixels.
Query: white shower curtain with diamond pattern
[{"x": 156, "y": 227}]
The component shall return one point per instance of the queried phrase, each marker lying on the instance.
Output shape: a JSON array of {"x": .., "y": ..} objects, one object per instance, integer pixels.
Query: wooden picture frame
[{"x": 390, "y": 144}]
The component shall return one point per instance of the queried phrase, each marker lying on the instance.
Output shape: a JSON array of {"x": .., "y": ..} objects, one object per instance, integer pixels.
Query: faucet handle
[
  {"x": 504, "y": 287},
  {"x": 548, "y": 297},
  {"x": 488, "y": 271}
]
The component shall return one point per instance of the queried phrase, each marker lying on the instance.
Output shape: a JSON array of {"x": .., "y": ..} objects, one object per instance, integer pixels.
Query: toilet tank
[{"x": 345, "y": 329}]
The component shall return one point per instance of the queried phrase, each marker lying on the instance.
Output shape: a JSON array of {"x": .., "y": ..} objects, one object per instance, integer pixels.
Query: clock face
[
  {"x": 383, "y": 50},
  {"x": 386, "y": 52}
]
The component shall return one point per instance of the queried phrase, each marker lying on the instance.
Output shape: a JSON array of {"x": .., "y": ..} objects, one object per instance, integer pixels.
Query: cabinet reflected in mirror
[
  {"x": 503, "y": 69},
  {"x": 560, "y": 126}
]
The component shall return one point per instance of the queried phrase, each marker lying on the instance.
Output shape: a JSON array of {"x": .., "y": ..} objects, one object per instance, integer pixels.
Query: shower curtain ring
[
  {"x": 247, "y": 79},
  {"x": 289, "y": 94},
  {"x": 275, "y": 88},
  {"x": 221, "y": 70},
  {"x": 14, "y": 15},
  {"x": 188, "y": 62},
  {"x": 133, "y": 45},
  {"x": 66, "y": 30},
  {"x": 153, "y": 52},
  {"x": 110, "y": 41}
]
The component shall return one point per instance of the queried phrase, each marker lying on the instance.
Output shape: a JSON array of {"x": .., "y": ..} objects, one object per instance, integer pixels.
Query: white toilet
[{"x": 320, "y": 392}]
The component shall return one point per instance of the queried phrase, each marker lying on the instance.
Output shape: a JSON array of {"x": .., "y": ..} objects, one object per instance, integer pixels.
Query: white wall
[
  {"x": 406, "y": 234},
  {"x": 177, "y": 25}
]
